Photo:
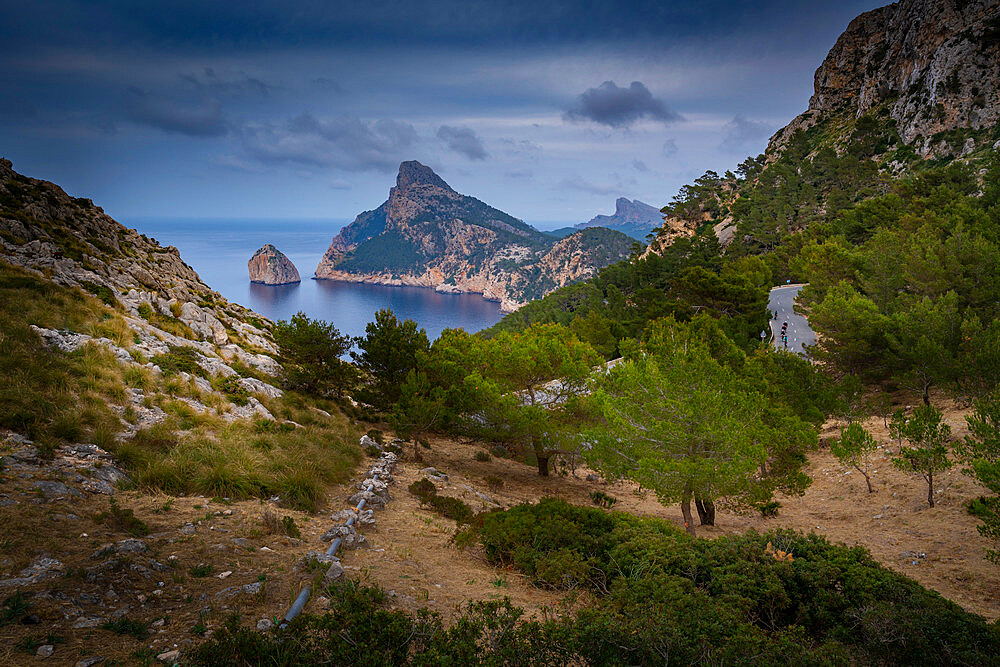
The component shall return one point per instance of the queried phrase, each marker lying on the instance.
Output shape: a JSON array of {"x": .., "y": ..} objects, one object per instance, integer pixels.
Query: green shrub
[
  {"x": 100, "y": 291},
  {"x": 13, "y": 609},
  {"x": 482, "y": 456},
  {"x": 127, "y": 626},
  {"x": 234, "y": 391},
  {"x": 423, "y": 489},
  {"x": 452, "y": 508},
  {"x": 722, "y": 599},
  {"x": 769, "y": 509},
  {"x": 201, "y": 570},
  {"x": 179, "y": 358},
  {"x": 122, "y": 519},
  {"x": 602, "y": 499}
]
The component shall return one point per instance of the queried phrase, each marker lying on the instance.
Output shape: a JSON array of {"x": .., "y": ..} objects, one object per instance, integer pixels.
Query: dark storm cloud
[
  {"x": 208, "y": 81},
  {"x": 462, "y": 140},
  {"x": 619, "y": 107},
  {"x": 347, "y": 143},
  {"x": 741, "y": 133},
  {"x": 195, "y": 24},
  {"x": 200, "y": 119}
]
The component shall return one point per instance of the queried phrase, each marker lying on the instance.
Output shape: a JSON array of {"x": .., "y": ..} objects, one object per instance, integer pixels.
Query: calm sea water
[{"x": 219, "y": 249}]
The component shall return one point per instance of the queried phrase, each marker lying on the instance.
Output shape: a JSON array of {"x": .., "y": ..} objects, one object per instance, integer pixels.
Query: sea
[{"x": 219, "y": 250}]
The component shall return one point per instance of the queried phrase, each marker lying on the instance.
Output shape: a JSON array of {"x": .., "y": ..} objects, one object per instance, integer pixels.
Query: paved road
[{"x": 781, "y": 301}]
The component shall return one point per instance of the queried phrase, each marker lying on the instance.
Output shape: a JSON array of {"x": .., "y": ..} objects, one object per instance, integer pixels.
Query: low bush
[
  {"x": 423, "y": 489},
  {"x": 127, "y": 626},
  {"x": 179, "y": 358},
  {"x": 100, "y": 291},
  {"x": 769, "y": 509},
  {"x": 452, "y": 508},
  {"x": 231, "y": 387},
  {"x": 482, "y": 456},
  {"x": 122, "y": 519},
  {"x": 602, "y": 499},
  {"x": 723, "y": 599}
]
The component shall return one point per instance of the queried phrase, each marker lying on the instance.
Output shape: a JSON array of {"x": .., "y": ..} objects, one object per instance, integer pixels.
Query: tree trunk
[
  {"x": 927, "y": 396},
  {"x": 706, "y": 511},
  {"x": 868, "y": 480},
  {"x": 543, "y": 464},
  {"x": 930, "y": 489},
  {"x": 702, "y": 514},
  {"x": 686, "y": 513}
]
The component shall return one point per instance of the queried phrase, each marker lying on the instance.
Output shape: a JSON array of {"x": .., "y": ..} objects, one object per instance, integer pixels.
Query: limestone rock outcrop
[
  {"x": 270, "y": 266},
  {"x": 934, "y": 64},
  {"x": 428, "y": 235}
]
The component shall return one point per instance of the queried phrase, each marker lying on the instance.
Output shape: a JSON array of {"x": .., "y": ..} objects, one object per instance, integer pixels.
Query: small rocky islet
[{"x": 270, "y": 266}]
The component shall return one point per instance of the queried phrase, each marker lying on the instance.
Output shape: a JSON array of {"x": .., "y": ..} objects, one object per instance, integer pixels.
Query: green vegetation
[
  {"x": 981, "y": 453},
  {"x": 180, "y": 358},
  {"x": 127, "y": 626},
  {"x": 167, "y": 323},
  {"x": 122, "y": 519},
  {"x": 898, "y": 286},
  {"x": 311, "y": 352},
  {"x": 389, "y": 351},
  {"x": 46, "y": 395},
  {"x": 689, "y": 417},
  {"x": 246, "y": 459},
  {"x": 657, "y": 597},
  {"x": 855, "y": 448},
  {"x": 928, "y": 453},
  {"x": 452, "y": 508}
]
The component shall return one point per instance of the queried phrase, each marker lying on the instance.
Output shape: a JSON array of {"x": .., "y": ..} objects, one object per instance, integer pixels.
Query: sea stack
[{"x": 269, "y": 266}]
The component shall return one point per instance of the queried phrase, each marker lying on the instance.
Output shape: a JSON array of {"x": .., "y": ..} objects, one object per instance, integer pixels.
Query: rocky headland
[
  {"x": 428, "y": 235},
  {"x": 270, "y": 266}
]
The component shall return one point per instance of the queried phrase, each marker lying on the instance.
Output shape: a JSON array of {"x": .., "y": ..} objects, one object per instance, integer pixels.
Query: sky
[{"x": 303, "y": 110}]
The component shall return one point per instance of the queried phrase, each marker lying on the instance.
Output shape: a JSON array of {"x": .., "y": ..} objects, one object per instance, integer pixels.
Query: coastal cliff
[{"x": 428, "y": 235}]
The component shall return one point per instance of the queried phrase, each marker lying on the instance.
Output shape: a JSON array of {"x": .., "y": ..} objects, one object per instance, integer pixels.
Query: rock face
[
  {"x": 934, "y": 64},
  {"x": 632, "y": 218},
  {"x": 428, "y": 235},
  {"x": 270, "y": 266}
]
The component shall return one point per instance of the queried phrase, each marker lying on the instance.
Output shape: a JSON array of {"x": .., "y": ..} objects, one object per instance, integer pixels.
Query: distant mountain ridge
[
  {"x": 631, "y": 217},
  {"x": 427, "y": 234}
]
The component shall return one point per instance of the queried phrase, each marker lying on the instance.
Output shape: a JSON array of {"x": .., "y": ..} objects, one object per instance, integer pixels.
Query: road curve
[{"x": 781, "y": 303}]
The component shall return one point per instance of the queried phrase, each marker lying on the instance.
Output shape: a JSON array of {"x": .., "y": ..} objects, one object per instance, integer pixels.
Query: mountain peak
[{"x": 413, "y": 173}]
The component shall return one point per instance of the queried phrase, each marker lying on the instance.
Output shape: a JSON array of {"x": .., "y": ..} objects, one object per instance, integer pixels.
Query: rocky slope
[
  {"x": 270, "y": 266},
  {"x": 428, "y": 235},
  {"x": 161, "y": 301},
  {"x": 933, "y": 64}
]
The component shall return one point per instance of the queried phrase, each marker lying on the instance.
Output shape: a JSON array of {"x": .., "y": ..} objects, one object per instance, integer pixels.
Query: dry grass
[{"x": 47, "y": 395}]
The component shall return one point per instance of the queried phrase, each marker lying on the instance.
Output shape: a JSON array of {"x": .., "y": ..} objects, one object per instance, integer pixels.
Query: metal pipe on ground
[{"x": 300, "y": 601}]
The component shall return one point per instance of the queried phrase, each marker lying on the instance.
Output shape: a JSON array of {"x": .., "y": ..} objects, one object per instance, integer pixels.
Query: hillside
[
  {"x": 428, "y": 235},
  {"x": 908, "y": 87}
]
